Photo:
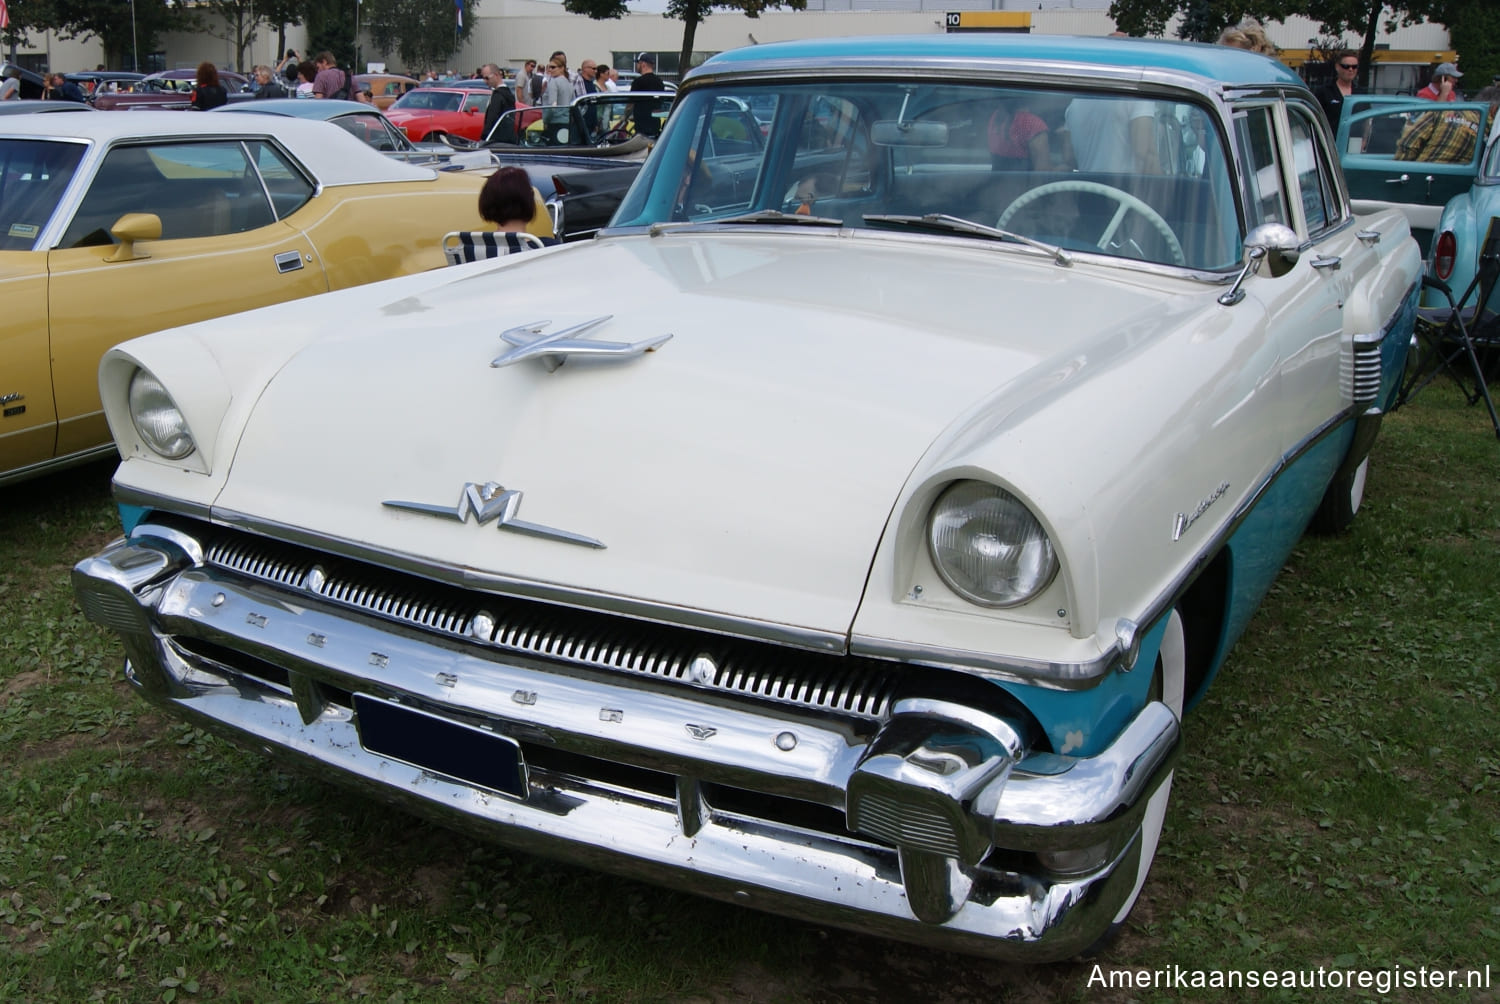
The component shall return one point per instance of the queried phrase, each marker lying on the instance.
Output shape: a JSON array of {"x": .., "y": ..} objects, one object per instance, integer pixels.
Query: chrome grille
[
  {"x": 907, "y": 825},
  {"x": 847, "y": 685}
]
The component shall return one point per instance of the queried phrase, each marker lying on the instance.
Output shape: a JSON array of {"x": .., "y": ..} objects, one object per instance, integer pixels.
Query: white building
[{"x": 508, "y": 32}]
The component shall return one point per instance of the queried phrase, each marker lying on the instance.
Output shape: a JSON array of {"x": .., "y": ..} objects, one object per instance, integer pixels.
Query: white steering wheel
[{"x": 1127, "y": 202}]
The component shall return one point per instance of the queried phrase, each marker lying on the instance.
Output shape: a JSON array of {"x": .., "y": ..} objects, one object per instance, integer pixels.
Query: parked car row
[{"x": 855, "y": 547}]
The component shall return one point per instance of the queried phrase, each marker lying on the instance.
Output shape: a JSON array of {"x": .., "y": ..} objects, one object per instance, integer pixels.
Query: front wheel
[{"x": 1342, "y": 501}]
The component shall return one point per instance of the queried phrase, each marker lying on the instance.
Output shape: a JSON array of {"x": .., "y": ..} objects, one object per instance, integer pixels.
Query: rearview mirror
[{"x": 893, "y": 133}]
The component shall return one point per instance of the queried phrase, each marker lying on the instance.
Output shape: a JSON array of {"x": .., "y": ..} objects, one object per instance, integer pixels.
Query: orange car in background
[{"x": 384, "y": 87}]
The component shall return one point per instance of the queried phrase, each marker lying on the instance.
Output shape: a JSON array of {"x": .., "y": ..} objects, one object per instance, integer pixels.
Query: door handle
[
  {"x": 1333, "y": 262},
  {"x": 1369, "y": 236},
  {"x": 1398, "y": 181}
]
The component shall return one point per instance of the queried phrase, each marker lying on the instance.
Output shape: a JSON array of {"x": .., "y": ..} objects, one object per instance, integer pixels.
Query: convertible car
[
  {"x": 115, "y": 225},
  {"x": 585, "y": 158},
  {"x": 853, "y": 549}
]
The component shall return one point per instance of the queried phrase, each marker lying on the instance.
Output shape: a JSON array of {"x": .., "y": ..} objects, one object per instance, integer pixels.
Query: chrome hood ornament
[
  {"x": 555, "y": 348},
  {"x": 491, "y": 501}
]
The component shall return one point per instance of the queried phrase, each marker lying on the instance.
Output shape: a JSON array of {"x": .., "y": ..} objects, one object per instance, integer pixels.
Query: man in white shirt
[{"x": 1113, "y": 135}]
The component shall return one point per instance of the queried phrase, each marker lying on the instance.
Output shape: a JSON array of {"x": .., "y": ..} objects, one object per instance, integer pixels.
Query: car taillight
[{"x": 1443, "y": 254}]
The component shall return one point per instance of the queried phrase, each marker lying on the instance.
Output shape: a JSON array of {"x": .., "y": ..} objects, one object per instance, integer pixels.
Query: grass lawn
[{"x": 1335, "y": 806}]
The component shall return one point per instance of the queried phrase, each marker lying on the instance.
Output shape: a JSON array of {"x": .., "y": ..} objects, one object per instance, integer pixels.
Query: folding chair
[
  {"x": 1448, "y": 338},
  {"x": 462, "y": 246}
]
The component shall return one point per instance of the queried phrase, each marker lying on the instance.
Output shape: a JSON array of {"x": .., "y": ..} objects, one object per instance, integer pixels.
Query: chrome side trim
[
  {"x": 1053, "y": 675},
  {"x": 129, "y": 495},
  {"x": 42, "y": 467}
]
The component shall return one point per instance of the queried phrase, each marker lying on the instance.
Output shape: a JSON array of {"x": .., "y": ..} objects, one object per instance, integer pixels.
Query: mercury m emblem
[{"x": 490, "y": 501}]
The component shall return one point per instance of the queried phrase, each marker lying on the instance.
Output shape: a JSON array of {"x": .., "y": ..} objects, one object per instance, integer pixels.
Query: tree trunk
[{"x": 690, "y": 19}]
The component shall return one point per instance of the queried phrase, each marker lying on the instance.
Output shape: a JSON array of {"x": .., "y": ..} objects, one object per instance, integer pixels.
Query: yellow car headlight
[
  {"x": 987, "y": 546},
  {"x": 157, "y": 419}
]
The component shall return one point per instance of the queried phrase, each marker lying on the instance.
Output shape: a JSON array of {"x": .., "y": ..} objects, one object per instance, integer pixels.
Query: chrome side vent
[{"x": 1365, "y": 368}]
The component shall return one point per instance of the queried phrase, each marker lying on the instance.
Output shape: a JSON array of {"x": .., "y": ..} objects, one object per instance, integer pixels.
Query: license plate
[{"x": 462, "y": 752}]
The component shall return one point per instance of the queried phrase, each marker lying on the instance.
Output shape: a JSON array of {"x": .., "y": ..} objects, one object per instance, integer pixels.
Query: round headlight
[
  {"x": 156, "y": 418},
  {"x": 987, "y": 546}
]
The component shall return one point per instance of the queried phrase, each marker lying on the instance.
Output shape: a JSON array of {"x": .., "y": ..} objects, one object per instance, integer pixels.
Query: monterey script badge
[{"x": 490, "y": 501}]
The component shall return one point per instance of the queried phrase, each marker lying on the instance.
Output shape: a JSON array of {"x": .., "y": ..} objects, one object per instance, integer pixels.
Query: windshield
[
  {"x": 33, "y": 175},
  {"x": 432, "y": 101},
  {"x": 1146, "y": 179}
]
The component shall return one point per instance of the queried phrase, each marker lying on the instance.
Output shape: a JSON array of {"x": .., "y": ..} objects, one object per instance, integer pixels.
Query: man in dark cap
[{"x": 646, "y": 80}]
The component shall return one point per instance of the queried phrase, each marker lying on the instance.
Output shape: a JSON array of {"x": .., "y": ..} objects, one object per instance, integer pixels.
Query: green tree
[
  {"x": 689, "y": 12},
  {"x": 424, "y": 33},
  {"x": 120, "y": 26},
  {"x": 235, "y": 21},
  {"x": 1474, "y": 32},
  {"x": 281, "y": 13},
  {"x": 1363, "y": 19}
]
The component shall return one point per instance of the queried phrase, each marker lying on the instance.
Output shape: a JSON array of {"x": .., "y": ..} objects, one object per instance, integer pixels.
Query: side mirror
[
  {"x": 1274, "y": 243},
  {"x": 130, "y": 228},
  {"x": 1280, "y": 243}
]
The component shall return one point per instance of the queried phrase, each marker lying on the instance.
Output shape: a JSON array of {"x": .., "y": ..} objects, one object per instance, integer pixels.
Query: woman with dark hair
[
  {"x": 306, "y": 71},
  {"x": 509, "y": 202},
  {"x": 208, "y": 92}
]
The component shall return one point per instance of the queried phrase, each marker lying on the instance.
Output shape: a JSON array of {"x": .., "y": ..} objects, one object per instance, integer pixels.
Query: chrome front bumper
[{"x": 944, "y": 831}]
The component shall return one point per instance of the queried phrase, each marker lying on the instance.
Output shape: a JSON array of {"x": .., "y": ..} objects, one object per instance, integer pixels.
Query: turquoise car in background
[
  {"x": 1394, "y": 156},
  {"x": 1461, "y": 231}
]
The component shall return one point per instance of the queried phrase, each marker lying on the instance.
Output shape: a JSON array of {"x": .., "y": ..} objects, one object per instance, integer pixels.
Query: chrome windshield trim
[
  {"x": 991, "y": 245},
  {"x": 658, "y": 613}
]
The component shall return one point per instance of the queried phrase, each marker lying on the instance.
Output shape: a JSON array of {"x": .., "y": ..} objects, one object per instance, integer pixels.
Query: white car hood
[{"x": 746, "y": 467}]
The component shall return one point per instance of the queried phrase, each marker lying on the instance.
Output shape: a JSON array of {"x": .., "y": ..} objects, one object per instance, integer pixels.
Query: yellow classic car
[{"x": 112, "y": 226}]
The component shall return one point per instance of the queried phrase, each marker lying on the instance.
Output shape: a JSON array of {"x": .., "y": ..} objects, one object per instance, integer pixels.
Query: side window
[
  {"x": 828, "y": 125},
  {"x": 476, "y": 102},
  {"x": 289, "y": 189},
  {"x": 196, "y": 189},
  {"x": 1314, "y": 175},
  {"x": 368, "y": 129},
  {"x": 1265, "y": 196},
  {"x": 735, "y": 131},
  {"x": 34, "y": 173}
]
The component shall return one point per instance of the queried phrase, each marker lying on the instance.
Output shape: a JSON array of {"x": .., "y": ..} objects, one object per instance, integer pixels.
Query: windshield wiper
[
  {"x": 777, "y": 216},
  {"x": 959, "y": 225}
]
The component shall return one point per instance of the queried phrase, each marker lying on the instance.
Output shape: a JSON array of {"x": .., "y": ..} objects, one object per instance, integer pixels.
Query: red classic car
[{"x": 430, "y": 113}]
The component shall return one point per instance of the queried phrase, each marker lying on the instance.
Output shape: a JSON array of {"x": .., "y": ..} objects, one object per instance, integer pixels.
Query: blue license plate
[{"x": 462, "y": 752}]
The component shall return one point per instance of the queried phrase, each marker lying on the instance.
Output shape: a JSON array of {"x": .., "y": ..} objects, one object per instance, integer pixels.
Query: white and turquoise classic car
[{"x": 851, "y": 541}]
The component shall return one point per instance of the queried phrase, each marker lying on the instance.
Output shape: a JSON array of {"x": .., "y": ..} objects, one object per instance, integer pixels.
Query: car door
[
  {"x": 223, "y": 248},
  {"x": 1340, "y": 257},
  {"x": 1410, "y": 154},
  {"x": 471, "y": 114},
  {"x": 34, "y": 175},
  {"x": 1302, "y": 305}
]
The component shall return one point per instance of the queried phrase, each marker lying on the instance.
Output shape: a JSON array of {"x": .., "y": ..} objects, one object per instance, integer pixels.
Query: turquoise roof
[{"x": 1216, "y": 62}]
